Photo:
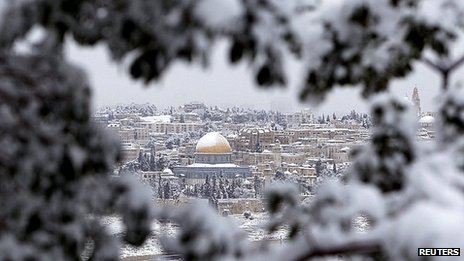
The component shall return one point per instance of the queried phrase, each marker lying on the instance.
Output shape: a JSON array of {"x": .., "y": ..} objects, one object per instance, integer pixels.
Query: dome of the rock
[{"x": 213, "y": 143}]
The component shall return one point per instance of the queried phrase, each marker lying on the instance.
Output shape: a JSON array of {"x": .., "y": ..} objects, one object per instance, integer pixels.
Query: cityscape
[
  {"x": 201, "y": 151},
  {"x": 228, "y": 157},
  {"x": 231, "y": 130}
]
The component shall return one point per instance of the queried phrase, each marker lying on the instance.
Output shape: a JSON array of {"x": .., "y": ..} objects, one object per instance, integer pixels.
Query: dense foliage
[
  {"x": 345, "y": 43},
  {"x": 53, "y": 161},
  {"x": 54, "y": 167}
]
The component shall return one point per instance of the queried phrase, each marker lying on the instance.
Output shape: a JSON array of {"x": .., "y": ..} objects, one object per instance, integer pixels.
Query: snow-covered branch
[{"x": 346, "y": 249}]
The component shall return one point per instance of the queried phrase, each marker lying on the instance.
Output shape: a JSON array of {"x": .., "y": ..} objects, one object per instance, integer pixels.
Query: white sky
[{"x": 225, "y": 85}]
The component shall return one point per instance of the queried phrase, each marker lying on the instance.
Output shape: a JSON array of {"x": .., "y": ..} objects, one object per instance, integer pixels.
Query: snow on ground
[
  {"x": 254, "y": 227},
  {"x": 150, "y": 247}
]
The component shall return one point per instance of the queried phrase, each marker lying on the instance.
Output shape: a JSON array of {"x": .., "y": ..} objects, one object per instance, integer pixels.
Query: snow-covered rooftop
[
  {"x": 157, "y": 119},
  {"x": 213, "y": 142},
  {"x": 221, "y": 165},
  {"x": 167, "y": 171},
  {"x": 345, "y": 149},
  {"x": 427, "y": 119}
]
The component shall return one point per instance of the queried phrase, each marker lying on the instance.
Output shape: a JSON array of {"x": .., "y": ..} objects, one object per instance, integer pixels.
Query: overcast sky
[{"x": 225, "y": 85}]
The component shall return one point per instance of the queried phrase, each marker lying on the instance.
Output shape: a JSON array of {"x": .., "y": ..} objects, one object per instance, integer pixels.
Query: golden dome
[{"x": 213, "y": 143}]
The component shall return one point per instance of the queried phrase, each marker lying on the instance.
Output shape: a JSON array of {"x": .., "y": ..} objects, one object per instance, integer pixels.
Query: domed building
[
  {"x": 427, "y": 121},
  {"x": 213, "y": 156},
  {"x": 213, "y": 148}
]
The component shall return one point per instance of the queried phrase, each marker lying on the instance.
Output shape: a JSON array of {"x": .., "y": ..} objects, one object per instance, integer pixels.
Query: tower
[{"x": 416, "y": 100}]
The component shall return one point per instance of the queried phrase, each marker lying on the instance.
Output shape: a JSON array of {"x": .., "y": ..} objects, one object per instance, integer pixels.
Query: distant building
[
  {"x": 416, "y": 101},
  {"x": 213, "y": 157},
  {"x": 296, "y": 119},
  {"x": 164, "y": 124},
  {"x": 254, "y": 138},
  {"x": 427, "y": 122},
  {"x": 194, "y": 107},
  {"x": 130, "y": 151}
]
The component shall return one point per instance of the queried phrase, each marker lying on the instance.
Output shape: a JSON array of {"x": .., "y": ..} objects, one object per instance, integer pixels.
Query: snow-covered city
[
  {"x": 229, "y": 156},
  {"x": 231, "y": 130}
]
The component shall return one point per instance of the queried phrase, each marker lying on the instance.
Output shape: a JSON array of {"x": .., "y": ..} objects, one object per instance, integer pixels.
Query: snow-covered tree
[
  {"x": 384, "y": 163},
  {"x": 167, "y": 190},
  {"x": 143, "y": 161},
  {"x": 55, "y": 167},
  {"x": 130, "y": 167},
  {"x": 258, "y": 185},
  {"x": 53, "y": 160},
  {"x": 292, "y": 178}
]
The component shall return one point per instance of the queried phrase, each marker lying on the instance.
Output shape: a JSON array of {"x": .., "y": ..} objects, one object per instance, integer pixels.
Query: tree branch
[
  {"x": 456, "y": 64},
  {"x": 431, "y": 64},
  {"x": 353, "y": 248},
  {"x": 443, "y": 70}
]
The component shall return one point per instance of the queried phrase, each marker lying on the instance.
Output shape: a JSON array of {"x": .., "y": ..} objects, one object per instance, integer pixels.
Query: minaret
[{"x": 416, "y": 100}]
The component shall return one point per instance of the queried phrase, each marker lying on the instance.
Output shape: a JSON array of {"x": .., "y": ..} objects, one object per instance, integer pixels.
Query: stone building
[
  {"x": 416, "y": 101},
  {"x": 254, "y": 138},
  {"x": 427, "y": 122},
  {"x": 213, "y": 157}
]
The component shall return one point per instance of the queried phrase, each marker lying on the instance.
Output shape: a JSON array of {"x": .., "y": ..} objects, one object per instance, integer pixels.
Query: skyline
[{"x": 225, "y": 85}]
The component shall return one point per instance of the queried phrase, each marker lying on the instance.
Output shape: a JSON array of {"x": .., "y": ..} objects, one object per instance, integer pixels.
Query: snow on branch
[{"x": 55, "y": 165}]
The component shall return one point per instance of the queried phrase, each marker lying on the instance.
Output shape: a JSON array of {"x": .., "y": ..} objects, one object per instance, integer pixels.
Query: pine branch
[{"x": 352, "y": 248}]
